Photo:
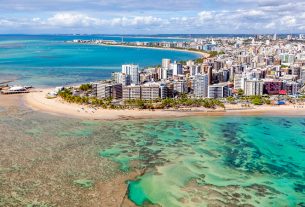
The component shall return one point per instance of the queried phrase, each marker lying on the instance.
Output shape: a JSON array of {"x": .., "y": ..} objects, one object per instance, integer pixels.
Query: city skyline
[{"x": 143, "y": 17}]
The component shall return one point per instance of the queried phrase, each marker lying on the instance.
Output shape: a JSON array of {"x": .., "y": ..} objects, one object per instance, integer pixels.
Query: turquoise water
[
  {"x": 214, "y": 161},
  {"x": 49, "y": 61},
  {"x": 185, "y": 162}
]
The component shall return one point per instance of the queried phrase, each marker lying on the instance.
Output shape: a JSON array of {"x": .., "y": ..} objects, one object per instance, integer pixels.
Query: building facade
[
  {"x": 133, "y": 72},
  {"x": 200, "y": 86},
  {"x": 254, "y": 88},
  {"x": 218, "y": 90}
]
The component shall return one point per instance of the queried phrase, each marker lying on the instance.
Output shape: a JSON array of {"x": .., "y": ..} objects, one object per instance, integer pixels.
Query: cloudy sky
[{"x": 152, "y": 16}]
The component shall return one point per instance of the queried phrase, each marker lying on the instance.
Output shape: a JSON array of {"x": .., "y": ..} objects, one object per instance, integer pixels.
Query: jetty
[{"x": 15, "y": 90}]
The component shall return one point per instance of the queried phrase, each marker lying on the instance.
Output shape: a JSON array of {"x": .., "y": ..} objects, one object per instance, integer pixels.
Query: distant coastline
[{"x": 201, "y": 53}]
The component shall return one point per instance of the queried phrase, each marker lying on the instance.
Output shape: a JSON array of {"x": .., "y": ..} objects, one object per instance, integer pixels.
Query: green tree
[
  {"x": 240, "y": 92},
  {"x": 85, "y": 87},
  {"x": 257, "y": 100}
]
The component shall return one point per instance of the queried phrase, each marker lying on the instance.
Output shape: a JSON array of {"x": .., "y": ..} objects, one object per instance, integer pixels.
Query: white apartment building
[
  {"x": 254, "y": 87},
  {"x": 220, "y": 90},
  {"x": 200, "y": 85},
  {"x": 133, "y": 72},
  {"x": 239, "y": 81}
]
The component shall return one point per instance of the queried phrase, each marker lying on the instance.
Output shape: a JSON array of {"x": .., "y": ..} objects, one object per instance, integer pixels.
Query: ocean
[
  {"x": 47, "y": 60},
  {"x": 180, "y": 162}
]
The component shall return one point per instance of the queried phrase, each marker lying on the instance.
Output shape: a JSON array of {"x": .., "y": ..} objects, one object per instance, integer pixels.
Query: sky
[{"x": 152, "y": 16}]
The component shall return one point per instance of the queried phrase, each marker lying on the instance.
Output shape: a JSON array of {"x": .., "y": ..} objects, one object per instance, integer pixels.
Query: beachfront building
[
  {"x": 132, "y": 71},
  {"x": 272, "y": 87},
  {"x": 220, "y": 90},
  {"x": 200, "y": 86},
  {"x": 105, "y": 89},
  {"x": 163, "y": 91},
  {"x": 291, "y": 88},
  {"x": 254, "y": 88},
  {"x": 101, "y": 90},
  {"x": 131, "y": 92},
  {"x": 179, "y": 87},
  {"x": 149, "y": 91},
  {"x": 239, "y": 82}
]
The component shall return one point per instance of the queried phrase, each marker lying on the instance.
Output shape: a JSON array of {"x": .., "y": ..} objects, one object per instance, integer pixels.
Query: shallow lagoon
[{"x": 199, "y": 161}]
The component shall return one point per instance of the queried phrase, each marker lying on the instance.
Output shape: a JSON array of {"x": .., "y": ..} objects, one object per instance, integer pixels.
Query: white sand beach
[{"x": 37, "y": 101}]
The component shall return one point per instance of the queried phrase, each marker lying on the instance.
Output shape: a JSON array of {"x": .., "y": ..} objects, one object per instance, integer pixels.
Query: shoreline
[
  {"x": 37, "y": 101},
  {"x": 202, "y": 54}
]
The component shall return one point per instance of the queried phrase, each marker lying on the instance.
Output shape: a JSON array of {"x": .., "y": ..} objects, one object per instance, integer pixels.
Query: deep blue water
[{"x": 47, "y": 60}]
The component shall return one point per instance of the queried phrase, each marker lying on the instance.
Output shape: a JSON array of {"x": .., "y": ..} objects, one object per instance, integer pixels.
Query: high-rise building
[
  {"x": 220, "y": 90},
  {"x": 163, "y": 91},
  {"x": 180, "y": 86},
  {"x": 133, "y": 72},
  {"x": 272, "y": 87},
  {"x": 195, "y": 70},
  {"x": 121, "y": 78},
  {"x": 291, "y": 87},
  {"x": 254, "y": 87},
  {"x": 177, "y": 69},
  {"x": 302, "y": 75},
  {"x": 239, "y": 82},
  {"x": 166, "y": 63},
  {"x": 210, "y": 74},
  {"x": 200, "y": 85}
]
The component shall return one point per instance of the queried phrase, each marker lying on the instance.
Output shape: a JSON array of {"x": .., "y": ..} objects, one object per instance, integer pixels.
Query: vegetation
[
  {"x": 85, "y": 87},
  {"x": 183, "y": 62},
  {"x": 240, "y": 92},
  {"x": 231, "y": 100},
  {"x": 198, "y": 61},
  {"x": 67, "y": 95},
  {"x": 215, "y": 53},
  {"x": 284, "y": 66},
  {"x": 174, "y": 103},
  {"x": 181, "y": 102},
  {"x": 84, "y": 183},
  {"x": 256, "y": 100}
]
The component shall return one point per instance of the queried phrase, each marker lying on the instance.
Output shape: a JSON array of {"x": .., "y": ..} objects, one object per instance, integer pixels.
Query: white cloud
[
  {"x": 205, "y": 15},
  {"x": 263, "y": 16},
  {"x": 136, "y": 21},
  {"x": 72, "y": 20},
  {"x": 288, "y": 21}
]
